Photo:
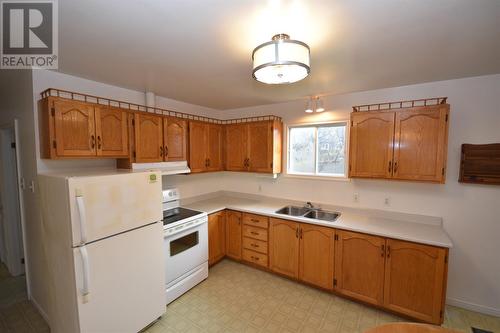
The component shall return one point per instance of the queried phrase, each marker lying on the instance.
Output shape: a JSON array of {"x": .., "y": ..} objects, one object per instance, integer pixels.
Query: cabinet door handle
[
  {"x": 395, "y": 167},
  {"x": 297, "y": 232},
  {"x": 390, "y": 166},
  {"x": 165, "y": 151},
  {"x": 92, "y": 141},
  {"x": 388, "y": 251},
  {"x": 99, "y": 145},
  {"x": 208, "y": 161},
  {"x": 161, "y": 151},
  {"x": 382, "y": 251},
  {"x": 301, "y": 233}
]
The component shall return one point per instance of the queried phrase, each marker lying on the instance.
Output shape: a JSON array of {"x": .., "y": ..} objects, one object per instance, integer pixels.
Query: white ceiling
[{"x": 199, "y": 51}]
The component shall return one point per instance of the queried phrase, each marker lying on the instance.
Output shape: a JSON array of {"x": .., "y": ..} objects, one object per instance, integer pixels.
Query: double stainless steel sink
[{"x": 311, "y": 213}]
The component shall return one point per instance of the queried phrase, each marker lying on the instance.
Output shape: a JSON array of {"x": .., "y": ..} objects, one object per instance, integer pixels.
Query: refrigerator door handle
[
  {"x": 83, "y": 217},
  {"x": 85, "y": 270}
]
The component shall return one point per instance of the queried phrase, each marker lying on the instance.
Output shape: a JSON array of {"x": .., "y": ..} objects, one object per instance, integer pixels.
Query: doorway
[{"x": 13, "y": 286}]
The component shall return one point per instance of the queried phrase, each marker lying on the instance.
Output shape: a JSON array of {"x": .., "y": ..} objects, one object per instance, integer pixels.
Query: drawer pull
[
  {"x": 254, "y": 245},
  {"x": 254, "y": 220},
  {"x": 254, "y": 233},
  {"x": 255, "y": 258}
]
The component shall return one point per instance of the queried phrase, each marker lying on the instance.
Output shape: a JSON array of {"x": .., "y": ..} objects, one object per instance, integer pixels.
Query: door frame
[{"x": 14, "y": 126}]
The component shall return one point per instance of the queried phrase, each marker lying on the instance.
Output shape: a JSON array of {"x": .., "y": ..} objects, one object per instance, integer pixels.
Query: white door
[
  {"x": 123, "y": 279},
  {"x": 103, "y": 206},
  {"x": 185, "y": 251}
]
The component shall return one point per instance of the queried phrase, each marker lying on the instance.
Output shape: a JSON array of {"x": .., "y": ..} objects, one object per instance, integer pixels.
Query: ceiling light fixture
[
  {"x": 280, "y": 61},
  {"x": 319, "y": 105}
]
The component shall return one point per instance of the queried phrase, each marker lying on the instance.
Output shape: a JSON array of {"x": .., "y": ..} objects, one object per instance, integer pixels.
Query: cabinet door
[
  {"x": 260, "y": 146},
  {"x": 414, "y": 280},
  {"x": 216, "y": 237},
  {"x": 359, "y": 266},
  {"x": 198, "y": 146},
  {"x": 74, "y": 129},
  {"x": 112, "y": 132},
  {"x": 316, "y": 255},
  {"x": 284, "y": 247},
  {"x": 214, "y": 153},
  {"x": 233, "y": 234},
  {"x": 371, "y": 146},
  {"x": 174, "y": 139},
  {"x": 236, "y": 147},
  {"x": 148, "y": 138},
  {"x": 420, "y": 144}
]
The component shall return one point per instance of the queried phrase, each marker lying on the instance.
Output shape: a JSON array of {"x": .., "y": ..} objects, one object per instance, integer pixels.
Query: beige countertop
[{"x": 408, "y": 227}]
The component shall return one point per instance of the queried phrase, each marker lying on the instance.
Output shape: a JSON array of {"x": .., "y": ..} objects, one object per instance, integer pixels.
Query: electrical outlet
[
  {"x": 260, "y": 188},
  {"x": 387, "y": 201},
  {"x": 355, "y": 197}
]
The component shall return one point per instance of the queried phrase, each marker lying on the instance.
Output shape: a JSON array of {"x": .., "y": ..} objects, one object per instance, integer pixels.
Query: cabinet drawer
[
  {"x": 257, "y": 233},
  {"x": 255, "y": 257},
  {"x": 256, "y": 220},
  {"x": 255, "y": 245}
]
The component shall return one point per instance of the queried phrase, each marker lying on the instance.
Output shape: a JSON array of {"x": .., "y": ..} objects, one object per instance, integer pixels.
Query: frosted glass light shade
[{"x": 281, "y": 60}]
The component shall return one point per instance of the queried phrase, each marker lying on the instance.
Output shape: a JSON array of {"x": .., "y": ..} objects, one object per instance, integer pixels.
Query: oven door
[{"x": 185, "y": 250}]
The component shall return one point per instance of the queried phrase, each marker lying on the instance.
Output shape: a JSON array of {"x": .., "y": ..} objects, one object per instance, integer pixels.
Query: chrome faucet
[{"x": 309, "y": 205}]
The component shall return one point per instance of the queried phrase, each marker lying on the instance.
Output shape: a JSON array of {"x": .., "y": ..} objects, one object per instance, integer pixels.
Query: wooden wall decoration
[{"x": 480, "y": 164}]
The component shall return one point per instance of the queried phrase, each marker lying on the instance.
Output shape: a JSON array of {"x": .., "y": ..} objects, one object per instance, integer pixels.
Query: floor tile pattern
[{"x": 238, "y": 298}]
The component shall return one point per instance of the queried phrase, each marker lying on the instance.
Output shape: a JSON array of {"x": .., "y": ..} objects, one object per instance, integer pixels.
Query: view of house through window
[{"x": 317, "y": 150}]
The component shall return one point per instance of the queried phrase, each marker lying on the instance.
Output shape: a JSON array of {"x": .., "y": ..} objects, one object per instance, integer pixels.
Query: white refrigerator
[{"x": 103, "y": 240}]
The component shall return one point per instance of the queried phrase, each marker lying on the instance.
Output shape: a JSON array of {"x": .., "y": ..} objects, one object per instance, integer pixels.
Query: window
[{"x": 317, "y": 150}]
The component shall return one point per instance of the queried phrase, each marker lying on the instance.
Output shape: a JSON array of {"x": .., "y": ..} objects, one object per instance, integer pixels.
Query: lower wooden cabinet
[
  {"x": 216, "y": 237},
  {"x": 359, "y": 266},
  {"x": 316, "y": 255},
  {"x": 284, "y": 247},
  {"x": 233, "y": 234},
  {"x": 415, "y": 277}
]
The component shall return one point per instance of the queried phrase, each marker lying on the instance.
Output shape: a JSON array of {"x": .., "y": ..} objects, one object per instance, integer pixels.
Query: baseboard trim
[
  {"x": 39, "y": 308},
  {"x": 473, "y": 307}
]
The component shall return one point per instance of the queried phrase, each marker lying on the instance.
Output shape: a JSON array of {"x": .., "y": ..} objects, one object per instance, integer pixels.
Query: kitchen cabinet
[
  {"x": 174, "y": 139},
  {"x": 284, "y": 247},
  {"x": 406, "y": 144},
  {"x": 255, "y": 237},
  {"x": 254, "y": 146},
  {"x": 420, "y": 144},
  {"x": 233, "y": 234},
  {"x": 372, "y": 135},
  {"x": 216, "y": 237},
  {"x": 205, "y": 147},
  {"x": 148, "y": 138},
  {"x": 74, "y": 129},
  {"x": 316, "y": 255},
  {"x": 359, "y": 266},
  {"x": 415, "y": 277},
  {"x": 112, "y": 132}
]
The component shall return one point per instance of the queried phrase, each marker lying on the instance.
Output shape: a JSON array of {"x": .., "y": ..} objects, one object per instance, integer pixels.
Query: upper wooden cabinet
[
  {"x": 112, "y": 132},
  {"x": 415, "y": 277},
  {"x": 148, "y": 137},
  {"x": 408, "y": 144},
  {"x": 175, "y": 139},
  {"x": 205, "y": 146},
  {"x": 73, "y": 129},
  {"x": 254, "y": 146},
  {"x": 359, "y": 266}
]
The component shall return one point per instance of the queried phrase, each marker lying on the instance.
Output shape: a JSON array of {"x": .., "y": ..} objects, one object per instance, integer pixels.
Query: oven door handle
[{"x": 173, "y": 233}]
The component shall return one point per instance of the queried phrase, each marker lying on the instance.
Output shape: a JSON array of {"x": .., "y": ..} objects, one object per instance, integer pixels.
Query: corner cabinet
[
  {"x": 254, "y": 146},
  {"x": 73, "y": 129},
  {"x": 233, "y": 234},
  {"x": 216, "y": 237},
  {"x": 407, "y": 144}
]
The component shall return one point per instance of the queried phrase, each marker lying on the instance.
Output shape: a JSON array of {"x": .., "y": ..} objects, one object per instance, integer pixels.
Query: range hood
[{"x": 166, "y": 168}]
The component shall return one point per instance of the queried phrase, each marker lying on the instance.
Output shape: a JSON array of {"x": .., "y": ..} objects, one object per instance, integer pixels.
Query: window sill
[{"x": 322, "y": 178}]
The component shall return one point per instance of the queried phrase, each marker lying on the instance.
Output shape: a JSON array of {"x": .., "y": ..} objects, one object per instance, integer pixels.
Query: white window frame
[{"x": 316, "y": 176}]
